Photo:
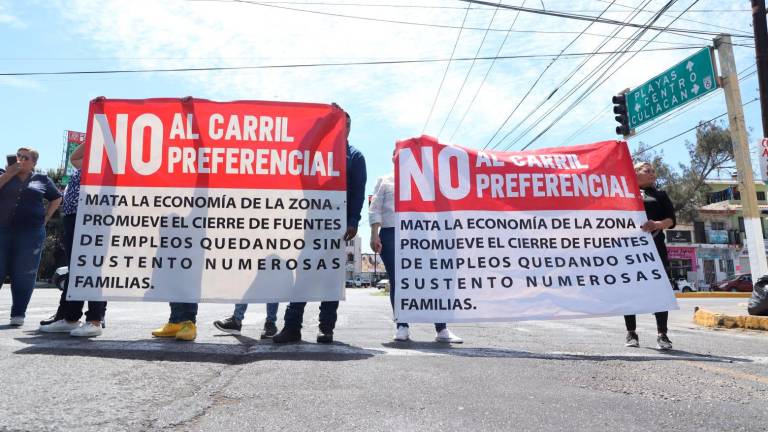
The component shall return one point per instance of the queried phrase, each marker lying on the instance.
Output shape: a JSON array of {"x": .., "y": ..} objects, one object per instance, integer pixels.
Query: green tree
[
  {"x": 53, "y": 254},
  {"x": 686, "y": 183}
]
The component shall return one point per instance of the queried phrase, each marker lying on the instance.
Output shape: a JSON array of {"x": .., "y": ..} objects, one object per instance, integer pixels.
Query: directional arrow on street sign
[{"x": 684, "y": 82}]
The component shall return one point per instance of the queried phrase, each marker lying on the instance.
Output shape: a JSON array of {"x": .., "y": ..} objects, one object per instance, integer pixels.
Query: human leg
[{"x": 27, "y": 246}]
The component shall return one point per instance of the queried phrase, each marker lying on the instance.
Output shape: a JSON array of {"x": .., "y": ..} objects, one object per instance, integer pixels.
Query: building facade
[{"x": 711, "y": 249}]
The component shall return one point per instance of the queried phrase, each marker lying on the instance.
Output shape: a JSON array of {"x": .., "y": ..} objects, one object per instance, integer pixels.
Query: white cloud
[
  {"x": 8, "y": 18},
  {"x": 232, "y": 34},
  {"x": 19, "y": 82}
]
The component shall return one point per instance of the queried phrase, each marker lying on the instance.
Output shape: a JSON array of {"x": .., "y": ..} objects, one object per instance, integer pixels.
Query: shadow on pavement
[
  {"x": 178, "y": 351},
  {"x": 641, "y": 356}
]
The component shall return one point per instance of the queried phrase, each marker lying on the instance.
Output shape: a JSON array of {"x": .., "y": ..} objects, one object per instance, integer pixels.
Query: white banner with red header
[
  {"x": 544, "y": 234},
  {"x": 191, "y": 200}
]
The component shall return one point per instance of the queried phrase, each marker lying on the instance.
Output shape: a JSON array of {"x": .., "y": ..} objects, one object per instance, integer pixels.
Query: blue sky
[{"x": 387, "y": 102}]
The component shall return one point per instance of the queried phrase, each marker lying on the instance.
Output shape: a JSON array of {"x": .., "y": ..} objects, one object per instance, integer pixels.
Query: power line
[
  {"x": 469, "y": 72},
  {"x": 407, "y": 6},
  {"x": 310, "y": 65},
  {"x": 485, "y": 77},
  {"x": 604, "y": 65},
  {"x": 602, "y": 79},
  {"x": 539, "y": 11},
  {"x": 683, "y": 19},
  {"x": 536, "y": 81},
  {"x": 688, "y": 130},
  {"x": 605, "y": 20},
  {"x": 448, "y": 66},
  {"x": 667, "y": 117}
]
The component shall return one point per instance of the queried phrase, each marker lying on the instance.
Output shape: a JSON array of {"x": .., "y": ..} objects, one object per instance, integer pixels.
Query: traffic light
[{"x": 620, "y": 109}]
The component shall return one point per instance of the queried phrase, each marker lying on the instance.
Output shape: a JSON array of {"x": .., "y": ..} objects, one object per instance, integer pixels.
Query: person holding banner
[
  {"x": 67, "y": 317},
  {"x": 661, "y": 216},
  {"x": 22, "y": 225},
  {"x": 382, "y": 218},
  {"x": 234, "y": 324},
  {"x": 294, "y": 313}
]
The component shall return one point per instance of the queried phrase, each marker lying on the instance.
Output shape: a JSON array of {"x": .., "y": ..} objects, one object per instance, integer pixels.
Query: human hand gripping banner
[
  {"x": 545, "y": 234},
  {"x": 190, "y": 200}
]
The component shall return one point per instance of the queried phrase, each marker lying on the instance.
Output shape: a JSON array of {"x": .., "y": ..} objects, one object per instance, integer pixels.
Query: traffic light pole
[{"x": 752, "y": 226}]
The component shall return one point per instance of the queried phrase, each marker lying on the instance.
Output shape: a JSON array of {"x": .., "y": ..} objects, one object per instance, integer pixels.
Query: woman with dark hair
[
  {"x": 661, "y": 216},
  {"x": 23, "y": 216}
]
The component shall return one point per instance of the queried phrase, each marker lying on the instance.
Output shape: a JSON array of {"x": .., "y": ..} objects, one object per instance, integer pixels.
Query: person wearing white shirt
[{"x": 381, "y": 215}]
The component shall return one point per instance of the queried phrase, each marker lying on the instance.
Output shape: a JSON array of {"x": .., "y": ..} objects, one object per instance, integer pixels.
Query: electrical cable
[
  {"x": 445, "y": 74},
  {"x": 688, "y": 130},
  {"x": 604, "y": 64},
  {"x": 485, "y": 77},
  {"x": 312, "y": 65},
  {"x": 535, "y": 82},
  {"x": 469, "y": 72},
  {"x": 600, "y": 81}
]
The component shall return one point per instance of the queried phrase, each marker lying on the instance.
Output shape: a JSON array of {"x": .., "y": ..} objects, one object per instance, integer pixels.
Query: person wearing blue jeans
[
  {"x": 234, "y": 324},
  {"x": 294, "y": 313},
  {"x": 22, "y": 226},
  {"x": 381, "y": 215}
]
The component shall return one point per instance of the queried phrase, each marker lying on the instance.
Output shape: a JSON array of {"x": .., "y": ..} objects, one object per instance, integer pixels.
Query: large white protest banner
[
  {"x": 199, "y": 201},
  {"x": 546, "y": 234}
]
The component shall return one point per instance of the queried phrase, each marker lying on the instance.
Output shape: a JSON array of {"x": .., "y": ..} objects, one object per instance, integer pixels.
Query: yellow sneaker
[
  {"x": 168, "y": 330},
  {"x": 188, "y": 331}
]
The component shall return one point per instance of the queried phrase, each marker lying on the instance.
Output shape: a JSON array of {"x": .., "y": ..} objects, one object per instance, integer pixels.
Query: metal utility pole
[
  {"x": 761, "y": 56},
  {"x": 752, "y": 227}
]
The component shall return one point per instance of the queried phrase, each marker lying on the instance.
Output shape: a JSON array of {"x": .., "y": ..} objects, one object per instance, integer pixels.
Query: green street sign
[{"x": 684, "y": 82}]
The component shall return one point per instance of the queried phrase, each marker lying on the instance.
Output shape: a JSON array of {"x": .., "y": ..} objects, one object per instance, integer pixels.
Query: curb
[
  {"x": 714, "y": 295},
  {"x": 707, "y": 318}
]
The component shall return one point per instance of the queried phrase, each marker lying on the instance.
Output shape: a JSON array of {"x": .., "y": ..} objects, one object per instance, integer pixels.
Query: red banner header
[
  {"x": 432, "y": 177},
  {"x": 190, "y": 143}
]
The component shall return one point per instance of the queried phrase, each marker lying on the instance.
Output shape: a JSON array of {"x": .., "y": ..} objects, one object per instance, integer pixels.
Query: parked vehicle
[
  {"x": 60, "y": 277},
  {"x": 740, "y": 283},
  {"x": 383, "y": 284},
  {"x": 683, "y": 285},
  {"x": 357, "y": 282}
]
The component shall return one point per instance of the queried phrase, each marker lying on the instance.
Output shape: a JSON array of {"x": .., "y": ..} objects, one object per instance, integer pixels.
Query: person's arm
[
  {"x": 374, "y": 217},
  {"x": 355, "y": 195},
  {"x": 51, "y": 209},
  {"x": 76, "y": 158},
  {"x": 54, "y": 198},
  {"x": 9, "y": 173},
  {"x": 668, "y": 210},
  {"x": 375, "y": 239}
]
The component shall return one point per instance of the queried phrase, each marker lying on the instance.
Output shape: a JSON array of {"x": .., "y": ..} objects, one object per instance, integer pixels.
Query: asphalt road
[{"x": 553, "y": 375}]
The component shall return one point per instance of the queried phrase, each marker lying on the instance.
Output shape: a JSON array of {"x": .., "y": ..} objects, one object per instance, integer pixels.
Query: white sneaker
[
  {"x": 17, "y": 321},
  {"x": 60, "y": 326},
  {"x": 447, "y": 336},
  {"x": 86, "y": 330},
  {"x": 402, "y": 334}
]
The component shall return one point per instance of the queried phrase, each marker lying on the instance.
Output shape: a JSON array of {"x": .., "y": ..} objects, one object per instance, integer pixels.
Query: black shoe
[
  {"x": 663, "y": 343},
  {"x": 229, "y": 325},
  {"x": 287, "y": 334},
  {"x": 52, "y": 319},
  {"x": 325, "y": 336},
  {"x": 632, "y": 340},
  {"x": 270, "y": 329}
]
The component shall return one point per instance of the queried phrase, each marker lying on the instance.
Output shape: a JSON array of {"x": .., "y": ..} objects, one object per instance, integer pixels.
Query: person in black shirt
[{"x": 661, "y": 216}]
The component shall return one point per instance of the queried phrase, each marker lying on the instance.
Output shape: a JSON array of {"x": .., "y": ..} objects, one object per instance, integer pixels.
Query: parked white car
[
  {"x": 683, "y": 285},
  {"x": 60, "y": 277}
]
